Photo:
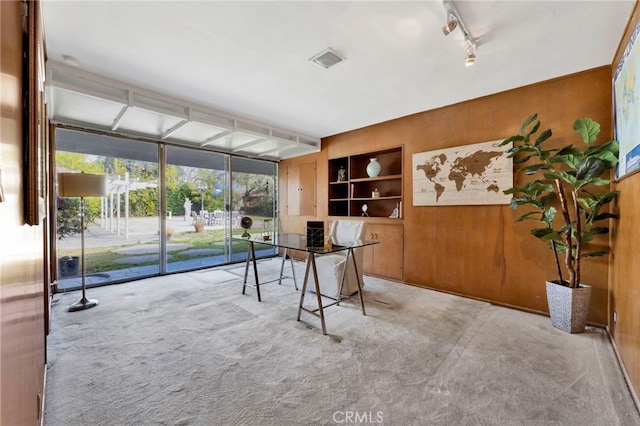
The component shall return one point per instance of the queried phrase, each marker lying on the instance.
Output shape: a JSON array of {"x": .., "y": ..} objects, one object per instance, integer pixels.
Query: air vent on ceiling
[{"x": 327, "y": 58}]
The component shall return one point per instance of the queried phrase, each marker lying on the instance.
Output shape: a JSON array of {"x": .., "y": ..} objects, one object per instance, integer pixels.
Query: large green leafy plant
[
  {"x": 572, "y": 181},
  {"x": 68, "y": 215}
]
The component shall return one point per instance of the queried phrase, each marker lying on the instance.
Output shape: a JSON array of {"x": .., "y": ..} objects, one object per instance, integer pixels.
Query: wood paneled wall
[
  {"x": 22, "y": 336},
  {"x": 478, "y": 251},
  {"x": 625, "y": 268}
]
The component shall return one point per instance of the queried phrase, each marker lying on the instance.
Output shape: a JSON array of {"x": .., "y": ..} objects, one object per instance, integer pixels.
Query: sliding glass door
[{"x": 196, "y": 223}]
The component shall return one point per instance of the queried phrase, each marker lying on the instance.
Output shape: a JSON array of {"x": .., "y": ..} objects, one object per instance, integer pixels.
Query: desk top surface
[{"x": 299, "y": 242}]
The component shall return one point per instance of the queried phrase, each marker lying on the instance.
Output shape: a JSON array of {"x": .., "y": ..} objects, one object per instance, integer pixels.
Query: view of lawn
[{"x": 105, "y": 259}]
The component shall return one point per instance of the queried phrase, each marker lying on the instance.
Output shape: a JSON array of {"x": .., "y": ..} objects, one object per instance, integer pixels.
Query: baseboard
[
  {"x": 623, "y": 368},
  {"x": 479, "y": 299},
  {"x": 493, "y": 302},
  {"x": 44, "y": 392}
]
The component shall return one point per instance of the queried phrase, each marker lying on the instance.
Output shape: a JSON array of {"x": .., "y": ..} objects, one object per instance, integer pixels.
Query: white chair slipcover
[{"x": 330, "y": 266}]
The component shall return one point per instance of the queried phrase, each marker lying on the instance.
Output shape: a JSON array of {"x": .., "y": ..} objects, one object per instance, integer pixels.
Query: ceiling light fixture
[
  {"x": 452, "y": 23},
  {"x": 470, "y": 59},
  {"x": 455, "y": 21}
]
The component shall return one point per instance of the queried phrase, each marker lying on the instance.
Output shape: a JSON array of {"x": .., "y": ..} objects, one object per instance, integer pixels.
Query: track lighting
[
  {"x": 455, "y": 21},
  {"x": 470, "y": 58},
  {"x": 452, "y": 23}
]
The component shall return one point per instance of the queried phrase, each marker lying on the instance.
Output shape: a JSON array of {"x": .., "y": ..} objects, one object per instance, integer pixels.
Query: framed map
[
  {"x": 626, "y": 99},
  {"x": 465, "y": 175}
]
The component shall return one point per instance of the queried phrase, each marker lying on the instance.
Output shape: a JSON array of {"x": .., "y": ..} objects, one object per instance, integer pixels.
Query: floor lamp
[{"x": 82, "y": 185}]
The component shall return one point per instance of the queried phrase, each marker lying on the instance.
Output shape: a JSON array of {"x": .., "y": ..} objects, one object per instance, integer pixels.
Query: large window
[
  {"x": 204, "y": 194},
  {"x": 196, "y": 185},
  {"x": 253, "y": 194}
]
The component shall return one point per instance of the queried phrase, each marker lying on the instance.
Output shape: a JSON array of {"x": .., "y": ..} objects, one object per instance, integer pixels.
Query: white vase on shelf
[{"x": 373, "y": 168}]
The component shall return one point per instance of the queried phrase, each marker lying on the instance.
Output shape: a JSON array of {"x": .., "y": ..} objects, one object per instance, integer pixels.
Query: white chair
[
  {"x": 235, "y": 218},
  {"x": 218, "y": 217},
  {"x": 331, "y": 266}
]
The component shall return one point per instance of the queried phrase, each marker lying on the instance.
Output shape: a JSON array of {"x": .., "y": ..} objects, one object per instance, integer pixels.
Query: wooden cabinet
[
  {"x": 382, "y": 194},
  {"x": 301, "y": 189},
  {"x": 385, "y": 259}
]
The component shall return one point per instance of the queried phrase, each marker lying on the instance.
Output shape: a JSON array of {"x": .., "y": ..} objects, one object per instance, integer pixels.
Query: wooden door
[{"x": 301, "y": 189}]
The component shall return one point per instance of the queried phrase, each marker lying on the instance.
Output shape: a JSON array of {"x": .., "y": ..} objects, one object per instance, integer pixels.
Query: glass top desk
[{"x": 288, "y": 241}]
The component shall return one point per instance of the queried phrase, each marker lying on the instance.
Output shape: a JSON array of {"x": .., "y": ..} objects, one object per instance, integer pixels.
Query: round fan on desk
[{"x": 245, "y": 223}]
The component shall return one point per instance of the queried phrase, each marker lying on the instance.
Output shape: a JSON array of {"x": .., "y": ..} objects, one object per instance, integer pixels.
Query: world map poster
[{"x": 465, "y": 175}]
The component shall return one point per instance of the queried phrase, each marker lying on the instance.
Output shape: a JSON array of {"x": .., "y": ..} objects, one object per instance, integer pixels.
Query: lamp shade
[{"x": 82, "y": 185}]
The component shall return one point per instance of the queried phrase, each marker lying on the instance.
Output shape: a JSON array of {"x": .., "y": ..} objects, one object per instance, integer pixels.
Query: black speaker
[{"x": 315, "y": 234}]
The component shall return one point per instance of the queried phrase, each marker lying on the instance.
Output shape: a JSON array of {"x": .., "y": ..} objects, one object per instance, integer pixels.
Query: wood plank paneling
[
  {"x": 478, "y": 251},
  {"x": 625, "y": 281},
  {"x": 22, "y": 340},
  {"x": 625, "y": 268}
]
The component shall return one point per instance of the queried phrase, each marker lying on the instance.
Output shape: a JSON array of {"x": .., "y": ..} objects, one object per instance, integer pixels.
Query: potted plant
[
  {"x": 574, "y": 182},
  {"x": 198, "y": 223}
]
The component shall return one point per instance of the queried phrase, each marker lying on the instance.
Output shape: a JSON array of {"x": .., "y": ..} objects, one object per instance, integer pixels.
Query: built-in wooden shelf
[{"x": 347, "y": 197}]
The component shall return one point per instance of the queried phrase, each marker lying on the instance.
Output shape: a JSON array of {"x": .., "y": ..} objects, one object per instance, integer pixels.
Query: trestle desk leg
[
  {"x": 304, "y": 287},
  {"x": 355, "y": 268},
  {"x": 246, "y": 268},
  {"x": 343, "y": 277},
  {"x": 293, "y": 273},
  {"x": 255, "y": 269},
  {"x": 315, "y": 277}
]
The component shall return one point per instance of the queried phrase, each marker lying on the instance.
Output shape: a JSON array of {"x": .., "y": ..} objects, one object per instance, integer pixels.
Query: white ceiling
[{"x": 252, "y": 58}]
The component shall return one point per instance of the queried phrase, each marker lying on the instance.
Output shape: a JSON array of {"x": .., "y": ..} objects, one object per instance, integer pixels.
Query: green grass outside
[{"x": 103, "y": 259}]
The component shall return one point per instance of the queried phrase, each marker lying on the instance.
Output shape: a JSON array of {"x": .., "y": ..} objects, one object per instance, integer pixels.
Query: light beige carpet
[{"x": 189, "y": 349}]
